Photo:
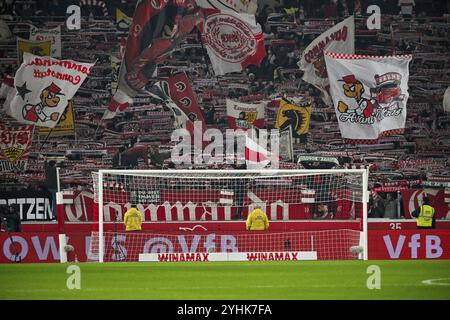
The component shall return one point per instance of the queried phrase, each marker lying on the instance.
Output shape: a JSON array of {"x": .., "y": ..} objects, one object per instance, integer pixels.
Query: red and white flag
[
  {"x": 245, "y": 115},
  {"x": 341, "y": 39},
  {"x": 233, "y": 40},
  {"x": 15, "y": 146},
  {"x": 54, "y": 35},
  {"x": 226, "y": 197},
  {"x": 243, "y": 6},
  {"x": 308, "y": 196},
  {"x": 369, "y": 95},
  {"x": 179, "y": 96},
  {"x": 258, "y": 157},
  {"x": 44, "y": 87},
  {"x": 447, "y": 195}
]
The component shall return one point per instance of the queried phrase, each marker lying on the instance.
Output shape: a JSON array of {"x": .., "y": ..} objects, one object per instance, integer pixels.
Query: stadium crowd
[{"x": 140, "y": 137}]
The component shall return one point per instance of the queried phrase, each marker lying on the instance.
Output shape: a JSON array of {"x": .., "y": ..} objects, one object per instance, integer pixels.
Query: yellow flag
[
  {"x": 38, "y": 48},
  {"x": 66, "y": 125},
  {"x": 295, "y": 116}
]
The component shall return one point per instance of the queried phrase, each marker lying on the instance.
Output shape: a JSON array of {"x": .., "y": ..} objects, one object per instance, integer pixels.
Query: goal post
[{"x": 198, "y": 196}]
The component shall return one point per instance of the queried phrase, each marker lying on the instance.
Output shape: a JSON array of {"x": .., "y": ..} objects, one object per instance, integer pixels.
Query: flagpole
[
  {"x": 48, "y": 135},
  {"x": 204, "y": 52}
]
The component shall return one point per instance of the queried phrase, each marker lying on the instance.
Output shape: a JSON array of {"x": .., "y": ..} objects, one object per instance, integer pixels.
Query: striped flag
[
  {"x": 257, "y": 157},
  {"x": 308, "y": 196},
  {"x": 226, "y": 197},
  {"x": 447, "y": 195}
]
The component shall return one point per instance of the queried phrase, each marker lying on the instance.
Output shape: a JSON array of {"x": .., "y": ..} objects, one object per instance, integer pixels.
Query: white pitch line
[
  {"x": 212, "y": 287},
  {"x": 432, "y": 282}
]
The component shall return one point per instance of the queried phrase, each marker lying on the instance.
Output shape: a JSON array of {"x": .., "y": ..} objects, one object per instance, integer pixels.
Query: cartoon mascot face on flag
[
  {"x": 386, "y": 94},
  {"x": 49, "y": 100}
]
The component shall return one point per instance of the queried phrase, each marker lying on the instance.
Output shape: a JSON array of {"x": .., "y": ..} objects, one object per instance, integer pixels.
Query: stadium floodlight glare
[{"x": 200, "y": 196}]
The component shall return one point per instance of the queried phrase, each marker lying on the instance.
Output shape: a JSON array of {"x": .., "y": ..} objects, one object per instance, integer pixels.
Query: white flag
[
  {"x": 340, "y": 39},
  {"x": 5, "y": 33},
  {"x": 242, "y": 6},
  {"x": 369, "y": 94},
  {"x": 44, "y": 87},
  {"x": 54, "y": 35},
  {"x": 233, "y": 40},
  {"x": 258, "y": 157},
  {"x": 446, "y": 100}
]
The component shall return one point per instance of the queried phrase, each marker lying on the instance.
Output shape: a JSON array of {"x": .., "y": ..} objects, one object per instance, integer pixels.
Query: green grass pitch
[{"x": 230, "y": 280}]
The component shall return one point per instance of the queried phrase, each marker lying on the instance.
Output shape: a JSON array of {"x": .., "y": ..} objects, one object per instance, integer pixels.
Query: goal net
[{"x": 188, "y": 215}]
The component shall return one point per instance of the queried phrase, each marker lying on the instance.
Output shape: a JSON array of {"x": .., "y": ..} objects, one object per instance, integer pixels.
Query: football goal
[{"x": 313, "y": 214}]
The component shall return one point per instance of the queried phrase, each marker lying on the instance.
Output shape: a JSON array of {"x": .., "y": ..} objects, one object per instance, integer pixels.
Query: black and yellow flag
[{"x": 296, "y": 116}]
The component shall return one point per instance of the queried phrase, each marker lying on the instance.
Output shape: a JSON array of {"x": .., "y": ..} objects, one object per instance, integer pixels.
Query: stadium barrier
[{"x": 39, "y": 242}]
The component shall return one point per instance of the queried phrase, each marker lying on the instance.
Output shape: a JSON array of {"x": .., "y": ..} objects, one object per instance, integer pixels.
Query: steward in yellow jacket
[
  {"x": 257, "y": 220},
  {"x": 425, "y": 215},
  {"x": 133, "y": 219}
]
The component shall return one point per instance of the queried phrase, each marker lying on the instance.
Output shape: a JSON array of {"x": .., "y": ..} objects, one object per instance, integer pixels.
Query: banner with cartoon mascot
[
  {"x": 44, "y": 87},
  {"x": 369, "y": 95}
]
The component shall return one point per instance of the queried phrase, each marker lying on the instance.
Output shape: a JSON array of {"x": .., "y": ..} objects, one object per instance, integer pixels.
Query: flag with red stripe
[
  {"x": 245, "y": 115},
  {"x": 258, "y": 157}
]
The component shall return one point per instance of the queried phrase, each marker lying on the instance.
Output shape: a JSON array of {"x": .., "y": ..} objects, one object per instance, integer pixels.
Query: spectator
[
  {"x": 257, "y": 220},
  {"x": 391, "y": 208},
  {"x": 118, "y": 160},
  {"x": 406, "y": 8},
  {"x": 51, "y": 182},
  {"x": 209, "y": 115},
  {"x": 321, "y": 212},
  {"x": 425, "y": 215},
  {"x": 240, "y": 187},
  {"x": 56, "y": 8},
  {"x": 330, "y": 10},
  {"x": 12, "y": 216},
  {"x": 157, "y": 158},
  {"x": 377, "y": 208}
]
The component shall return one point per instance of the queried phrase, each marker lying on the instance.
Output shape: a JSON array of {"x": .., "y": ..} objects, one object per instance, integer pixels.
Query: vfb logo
[{"x": 431, "y": 244}]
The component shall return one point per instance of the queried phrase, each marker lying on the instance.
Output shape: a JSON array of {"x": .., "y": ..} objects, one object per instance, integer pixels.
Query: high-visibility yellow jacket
[
  {"x": 426, "y": 215},
  {"x": 257, "y": 220},
  {"x": 133, "y": 220}
]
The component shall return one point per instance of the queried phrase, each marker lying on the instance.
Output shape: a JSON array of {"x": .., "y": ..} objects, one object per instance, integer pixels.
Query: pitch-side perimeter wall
[{"x": 392, "y": 239}]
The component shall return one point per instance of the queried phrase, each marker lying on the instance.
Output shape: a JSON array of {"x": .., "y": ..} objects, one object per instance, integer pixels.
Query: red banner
[
  {"x": 409, "y": 244},
  {"x": 413, "y": 198}
]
